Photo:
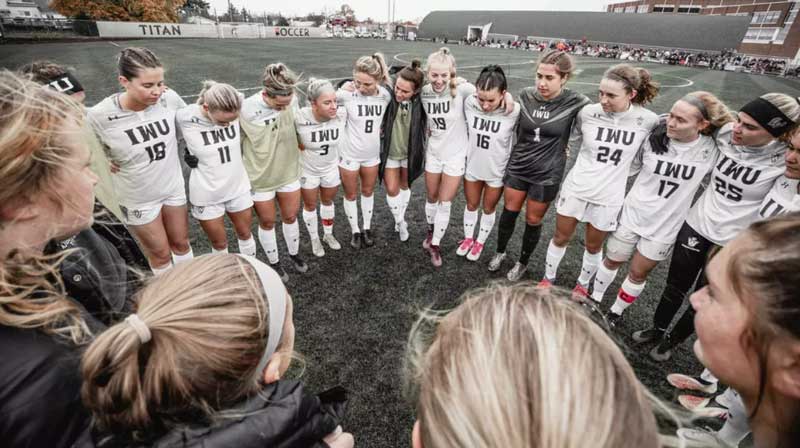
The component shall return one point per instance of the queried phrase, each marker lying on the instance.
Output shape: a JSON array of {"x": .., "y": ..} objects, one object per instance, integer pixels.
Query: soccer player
[
  {"x": 536, "y": 165},
  {"x": 138, "y": 130},
  {"x": 272, "y": 161},
  {"x": 491, "y": 137},
  {"x": 218, "y": 183},
  {"x": 360, "y": 157},
  {"x": 674, "y": 160},
  {"x": 321, "y": 128},
  {"x": 608, "y": 134},
  {"x": 403, "y": 134},
  {"x": 752, "y": 152}
]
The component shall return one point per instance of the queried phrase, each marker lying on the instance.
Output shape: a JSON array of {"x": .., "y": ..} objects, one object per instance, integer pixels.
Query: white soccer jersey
[
  {"x": 662, "y": 194},
  {"x": 321, "y": 140},
  {"x": 740, "y": 181},
  {"x": 256, "y": 111},
  {"x": 783, "y": 197},
  {"x": 220, "y": 174},
  {"x": 491, "y": 138},
  {"x": 364, "y": 117},
  {"x": 145, "y": 146},
  {"x": 609, "y": 142},
  {"x": 447, "y": 123}
]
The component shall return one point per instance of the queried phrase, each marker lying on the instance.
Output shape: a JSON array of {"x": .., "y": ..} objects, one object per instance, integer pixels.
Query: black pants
[{"x": 686, "y": 273}]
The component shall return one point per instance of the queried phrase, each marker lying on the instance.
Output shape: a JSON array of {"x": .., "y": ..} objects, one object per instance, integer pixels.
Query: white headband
[{"x": 276, "y": 301}]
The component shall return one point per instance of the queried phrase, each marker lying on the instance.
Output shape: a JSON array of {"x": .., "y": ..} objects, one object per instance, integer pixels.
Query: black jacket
[
  {"x": 283, "y": 416},
  {"x": 416, "y": 139}
]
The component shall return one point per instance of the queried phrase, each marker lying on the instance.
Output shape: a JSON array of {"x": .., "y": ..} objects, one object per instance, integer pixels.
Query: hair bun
[
  {"x": 416, "y": 63},
  {"x": 444, "y": 50}
]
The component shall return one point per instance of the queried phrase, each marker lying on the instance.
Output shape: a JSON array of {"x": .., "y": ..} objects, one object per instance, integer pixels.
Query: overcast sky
[{"x": 407, "y": 9}]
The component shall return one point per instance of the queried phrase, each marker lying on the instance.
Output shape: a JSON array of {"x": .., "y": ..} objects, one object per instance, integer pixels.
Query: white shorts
[
  {"x": 147, "y": 214},
  {"x": 454, "y": 166},
  {"x": 328, "y": 180},
  {"x": 601, "y": 217},
  {"x": 623, "y": 241},
  {"x": 494, "y": 183},
  {"x": 214, "y": 211},
  {"x": 354, "y": 165},
  {"x": 264, "y": 196},
  {"x": 396, "y": 163}
]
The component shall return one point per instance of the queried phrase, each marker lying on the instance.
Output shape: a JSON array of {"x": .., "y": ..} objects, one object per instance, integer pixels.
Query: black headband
[
  {"x": 65, "y": 83},
  {"x": 768, "y": 116}
]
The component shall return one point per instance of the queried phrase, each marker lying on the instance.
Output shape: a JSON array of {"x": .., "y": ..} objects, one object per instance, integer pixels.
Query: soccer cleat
[
  {"x": 464, "y": 246},
  {"x": 355, "y": 241},
  {"x": 427, "y": 243},
  {"x": 496, "y": 261},
  {"x": 366, "y": 238},
  {"x": 701, "y": 437},
  {"x": 580, "y": 292},
  {"x": 281, "y": 272},
  {"x": 662, "y": 351},
  {"x": 516, "y": 272},
  {"x": 648, "y": 335},
  {"x": 726, "y": 399},
  {"x": 700, "y": 406},
  {"x": 299, "y": 265},
  {"x": 402, "y": 228},
  {"x": 544, "y": 284},
  {"x": 475, "y": 252},
  {"x": 331, "y": 241},
  {"x": 613, "y": 319},
  {"x": 686, "y": 382},
  {"x": 316, "y": 248},
  {"x": 436, "y": 256}
]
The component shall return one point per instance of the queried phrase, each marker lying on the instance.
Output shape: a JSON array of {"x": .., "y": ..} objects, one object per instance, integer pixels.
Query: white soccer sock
[
  {"x": 589, "y": 267},
  {"x": 291, "y": 234},
  {"x": 248, "y": 246},
  {"x": 310, "y": 220},
  {"x": 487, "y": 224},
  {"x": 736, "y": 426},
  {"x": 396, "y": 207},
  {"x": 628, "y": 293},
  {"x": 470, "y": 219},
  {"x": 351, "y": 210},
  {"x": 177, "y": 258},
  {"x": 327, "y": 213},
  {"x": 219, "y": 251},
  {"x": 367, "y": 202},
  {"x": 553, "y": 259},
  {"x": 430, "y": 212},
  {"x": 161, "y": 270},
  {"x": 269, "y": 243},
  {"x": 406, "y": 196},
  {"x": 441, "y": 222},
  {"x": 603, "y": 279}
]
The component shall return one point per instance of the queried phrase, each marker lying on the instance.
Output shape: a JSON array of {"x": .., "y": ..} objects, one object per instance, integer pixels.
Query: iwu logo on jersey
[
  {"x": 777, "y": 157},
  {"x": 200, "y": 210},
  {"x": 691, "y": 244},
  {"x": 137, "y": 214}
]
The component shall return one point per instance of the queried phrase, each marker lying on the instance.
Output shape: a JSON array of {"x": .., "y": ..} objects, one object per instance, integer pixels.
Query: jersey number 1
[{"x": 224, "y": 154}]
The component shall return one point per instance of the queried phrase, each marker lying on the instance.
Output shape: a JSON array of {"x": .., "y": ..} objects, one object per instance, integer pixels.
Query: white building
[{"x": 19, "y": 10}]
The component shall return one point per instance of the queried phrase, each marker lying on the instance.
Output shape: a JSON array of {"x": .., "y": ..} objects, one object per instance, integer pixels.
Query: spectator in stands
[
  {"x": 508, "y": 368},
  {"x": 208, "y": 345}
]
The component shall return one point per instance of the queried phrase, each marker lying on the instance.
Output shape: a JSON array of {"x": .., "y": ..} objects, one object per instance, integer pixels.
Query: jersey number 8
[{"x": 368, "y": 127}]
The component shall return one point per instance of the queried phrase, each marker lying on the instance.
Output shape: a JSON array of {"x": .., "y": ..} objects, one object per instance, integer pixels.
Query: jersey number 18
[{"x": 157, "y": 151}]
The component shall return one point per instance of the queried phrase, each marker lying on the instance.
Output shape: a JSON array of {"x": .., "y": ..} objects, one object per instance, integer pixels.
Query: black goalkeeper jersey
[{"x": 539, "y": 155}]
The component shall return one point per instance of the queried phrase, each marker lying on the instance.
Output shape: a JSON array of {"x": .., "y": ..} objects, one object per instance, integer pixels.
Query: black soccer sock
[
  {"x": 508, "y": 220},
  {"x": 529, "y": 240}
]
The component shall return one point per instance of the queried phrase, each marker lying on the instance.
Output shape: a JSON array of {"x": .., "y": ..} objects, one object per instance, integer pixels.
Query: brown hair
[
  {"x": 565, "y": 65},
  {"x": 374, "y": 66},
  {"x": 43, "y": 71},
  {"x": 413, "y": 74},
  {"x": 38, "y": 129},
  {"x": 634, "y": 79},
  {"x": 133, "y": 60},
  {"x": 279, "y": 80},
  {"x": 514, "y": 366},
  {"x": 718, "y": 114},
  {"x": 208, "y": 320}
]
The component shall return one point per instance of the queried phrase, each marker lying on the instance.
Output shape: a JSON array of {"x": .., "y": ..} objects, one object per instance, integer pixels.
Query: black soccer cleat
[
  {"x": 366, "y": 238},
  {"x": 298, "y": 263},
  {"x": 281, "y": 272},
  {"x": 648, "y": 335},
  {"x": 355, "y": 241}
]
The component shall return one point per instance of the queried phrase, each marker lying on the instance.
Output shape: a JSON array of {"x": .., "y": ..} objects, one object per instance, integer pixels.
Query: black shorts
[{"x": 535, "y": 191}]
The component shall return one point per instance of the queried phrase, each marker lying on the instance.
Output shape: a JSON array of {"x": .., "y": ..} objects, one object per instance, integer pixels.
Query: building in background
[{"x": 773, "y": 29}]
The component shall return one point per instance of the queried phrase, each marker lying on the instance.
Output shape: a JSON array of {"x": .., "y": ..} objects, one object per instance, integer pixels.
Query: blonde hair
[
  {"x": 37, "y": 126},
  {"x": 317, "y": 87},
  {"x": 517, "y": 366},
  {"x": 209, "y": 325},
  {"x": 634, "y": 79},
  {"x": 443, "y": 56},
  {"x": 565, "y": 65},
  {"x": 717, "y": 113},
  {"x": 220, "y": 97},
  {"x": 374, "y": 66},
  {"x": 790, "y": 106},
  {"x": 279, "y": 80}
]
